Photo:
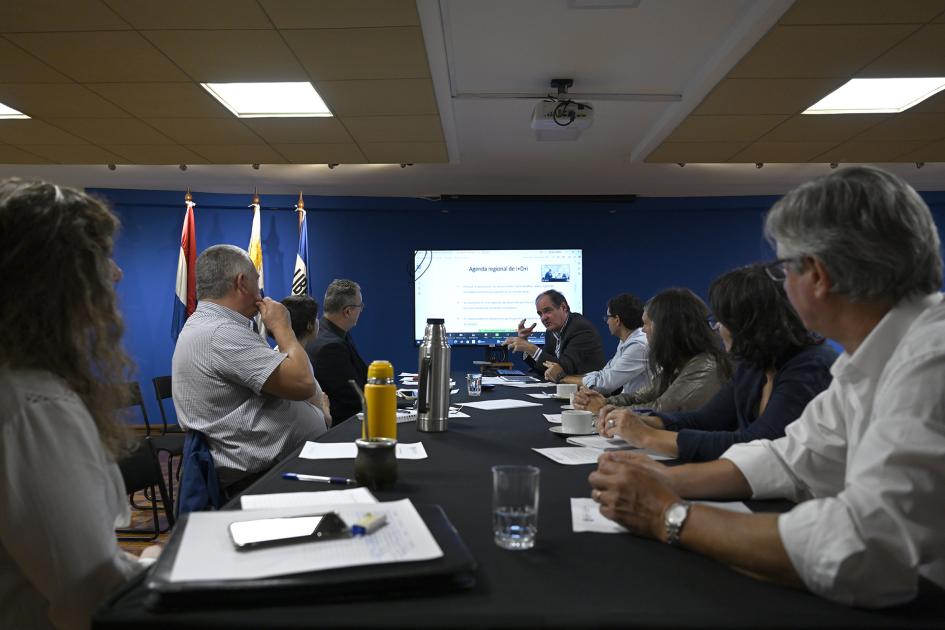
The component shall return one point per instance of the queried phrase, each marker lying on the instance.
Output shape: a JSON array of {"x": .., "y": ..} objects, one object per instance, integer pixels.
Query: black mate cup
[{"x": 375, "y": 466}]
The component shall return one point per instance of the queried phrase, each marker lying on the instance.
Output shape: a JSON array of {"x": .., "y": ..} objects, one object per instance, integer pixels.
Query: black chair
[
  {"x": 162, "y": 391},
  {"x": 171, "y": 439},
  {"x": 141, "y": 470},
  {"x": 131, "y": 397}
]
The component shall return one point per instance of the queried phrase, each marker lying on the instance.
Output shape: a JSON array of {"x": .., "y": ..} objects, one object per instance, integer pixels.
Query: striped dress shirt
[{"x": 219, "y": 368}]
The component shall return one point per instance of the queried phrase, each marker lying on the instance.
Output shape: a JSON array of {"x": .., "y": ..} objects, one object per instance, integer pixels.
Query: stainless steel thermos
[{"x": 433, "y": 395}]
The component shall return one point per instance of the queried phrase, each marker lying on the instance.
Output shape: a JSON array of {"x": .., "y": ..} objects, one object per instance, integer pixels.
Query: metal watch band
[{"x": 674, "y": 526}]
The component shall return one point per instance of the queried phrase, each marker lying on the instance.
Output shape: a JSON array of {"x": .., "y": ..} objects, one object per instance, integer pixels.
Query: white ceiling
[{"x": 478, "y": 51}]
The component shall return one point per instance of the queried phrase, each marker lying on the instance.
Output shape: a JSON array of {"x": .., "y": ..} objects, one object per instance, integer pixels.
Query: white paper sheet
[
  {"x": 570, "y": 455},
  {"x": 502, "y": 403},
  {"x": 586, "y": 516},
  {"x": 411, "y": 451},
  {"x": 553, "y": 417},
  {"x": 348, "y": 450},
  {"x": 526, "y": 385},
  {"x": 601, "y": 443},
  {"x": 301, "y": 499},
  {"x": 207, "y": 553},
  {"x": 412, "y": 382},
  {"x": 410, "y": 415},
  {"x": 497, "y": 380}
]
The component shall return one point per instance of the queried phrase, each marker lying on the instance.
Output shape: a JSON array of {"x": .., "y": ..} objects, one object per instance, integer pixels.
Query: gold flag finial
[
  {"x": 301, "y": 204},
  {"x": 255, "y": 196},
  {"x": 188, "y": 196}
]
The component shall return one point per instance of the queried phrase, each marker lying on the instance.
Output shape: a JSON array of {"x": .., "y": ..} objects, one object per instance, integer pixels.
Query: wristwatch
[{"x": 673, "y": 519}]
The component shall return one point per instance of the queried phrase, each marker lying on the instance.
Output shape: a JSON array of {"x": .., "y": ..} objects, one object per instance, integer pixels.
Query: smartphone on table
[{"x": 269, "y": 532}]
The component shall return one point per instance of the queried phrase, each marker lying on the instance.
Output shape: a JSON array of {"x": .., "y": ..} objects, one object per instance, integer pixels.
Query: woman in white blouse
[{"x": 61, "y": 494}]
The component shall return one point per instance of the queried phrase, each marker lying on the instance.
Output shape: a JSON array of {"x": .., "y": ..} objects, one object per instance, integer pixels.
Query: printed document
[
  {"x": 570, "y": 455},
  {"x": 601, "y": 443},
  {"x": 207, "y": 553},
  {"x": 502, "y": 403},
  {"x": 586, "y": 516}
]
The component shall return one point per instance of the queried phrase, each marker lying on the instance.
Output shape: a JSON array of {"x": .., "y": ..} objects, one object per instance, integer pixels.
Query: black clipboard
[{"x": 455, "y": 570}]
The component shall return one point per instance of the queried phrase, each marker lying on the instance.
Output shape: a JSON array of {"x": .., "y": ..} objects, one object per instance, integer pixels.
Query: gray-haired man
[
  {"x": 859, "y": 257},
  {"x": 246, "y": 398},
  {"x": 333, "y": 353}
]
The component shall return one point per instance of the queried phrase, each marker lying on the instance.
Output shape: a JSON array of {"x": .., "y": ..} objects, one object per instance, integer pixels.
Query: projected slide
[{"x": 483, "y": 294}]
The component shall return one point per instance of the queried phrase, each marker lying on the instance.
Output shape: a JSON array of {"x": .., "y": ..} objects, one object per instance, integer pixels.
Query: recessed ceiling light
[
  {"x": 8, "y": 113},
  {"x": 269, "y": 100},
  {"x": 877, "y": 96}
]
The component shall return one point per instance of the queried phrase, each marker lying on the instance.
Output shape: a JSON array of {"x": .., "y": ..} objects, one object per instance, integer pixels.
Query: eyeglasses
[
  {"x": 777, "y": 270},
  {"x": 360, "y": 306},
  {"x": 713, "y": 323},
  {"x": 608, "y": 316}
]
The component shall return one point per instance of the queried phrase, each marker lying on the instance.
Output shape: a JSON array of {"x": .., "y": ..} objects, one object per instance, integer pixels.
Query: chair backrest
[
  {"x": 199, "y": 486},
  {"x": 162, "y": 391},
  {"x": 140, "y": 470},
  {"x": 131, "y": 397}
]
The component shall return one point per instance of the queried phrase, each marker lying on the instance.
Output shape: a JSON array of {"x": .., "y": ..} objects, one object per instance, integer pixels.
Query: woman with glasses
[
  {"x": 61, "y": 359},
  {"x": 781, "y": 366},
  {"x": 686, "y": 360}
]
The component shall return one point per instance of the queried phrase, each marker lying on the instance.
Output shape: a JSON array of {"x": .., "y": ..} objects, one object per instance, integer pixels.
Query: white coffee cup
[
  {"x": 566, "y": 389},
  {"x": 577, "y": 421}
]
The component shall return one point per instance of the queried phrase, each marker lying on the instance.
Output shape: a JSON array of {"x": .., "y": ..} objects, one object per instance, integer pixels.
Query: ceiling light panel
[
  {"x": 269, "y": 100},
  {"x": 877, "y": 96},
  {"x": 8, "y": 113}
]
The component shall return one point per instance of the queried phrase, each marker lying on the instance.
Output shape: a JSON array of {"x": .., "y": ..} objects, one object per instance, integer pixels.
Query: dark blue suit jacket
[{"x": 731, "y": 417}]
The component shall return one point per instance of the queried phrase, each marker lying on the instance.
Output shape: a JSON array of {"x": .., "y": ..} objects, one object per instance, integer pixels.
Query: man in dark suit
[
  {"x": 333, "y": 353},
  {"x": 572, "y": 344}
]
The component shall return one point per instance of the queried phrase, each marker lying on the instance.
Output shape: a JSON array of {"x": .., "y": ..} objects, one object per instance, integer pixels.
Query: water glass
[
  {"x": 515, "y": 506},
  {"x": 474, "y": 384}
]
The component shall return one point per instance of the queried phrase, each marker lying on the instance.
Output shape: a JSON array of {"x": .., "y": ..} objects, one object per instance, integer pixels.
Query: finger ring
[
  {"x": 611, "y": 423},
  {"x": 595, "y": 494}
]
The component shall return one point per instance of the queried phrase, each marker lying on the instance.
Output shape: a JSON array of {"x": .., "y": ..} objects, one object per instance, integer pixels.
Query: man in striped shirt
[{"x": 250, "y": 401}]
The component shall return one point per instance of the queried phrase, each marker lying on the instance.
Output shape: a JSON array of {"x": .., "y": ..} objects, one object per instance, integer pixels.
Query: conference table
[{"x": 567, "y": 579}]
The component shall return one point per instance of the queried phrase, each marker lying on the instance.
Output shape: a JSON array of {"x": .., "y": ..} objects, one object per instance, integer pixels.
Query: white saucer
[
  {"x": 561, "y": 397},
  {"x": 560, "y": 431},
  {"x": 566, "y": 407}
]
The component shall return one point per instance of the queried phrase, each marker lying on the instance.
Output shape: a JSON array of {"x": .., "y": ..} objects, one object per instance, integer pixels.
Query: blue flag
[{"x": 300, "y": 284}]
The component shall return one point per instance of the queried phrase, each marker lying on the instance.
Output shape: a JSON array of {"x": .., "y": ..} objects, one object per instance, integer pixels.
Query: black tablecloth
[{"x": 568, "y": 579}]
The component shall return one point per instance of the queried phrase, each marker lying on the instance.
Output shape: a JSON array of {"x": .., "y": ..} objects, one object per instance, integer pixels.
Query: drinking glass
[
  {"x": 474, "y": 384},
  {"x": 515, "y": 506}
]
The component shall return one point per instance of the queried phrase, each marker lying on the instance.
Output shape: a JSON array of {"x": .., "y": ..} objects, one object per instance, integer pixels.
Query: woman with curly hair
[
  {"x": 61, "y": 360},
  {"x": 686, "y": 359},
  {"x": 781, "y": 368}
]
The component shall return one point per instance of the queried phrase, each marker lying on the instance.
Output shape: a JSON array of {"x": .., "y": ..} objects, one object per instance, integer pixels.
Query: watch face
[{"x": 676, "y": 514}]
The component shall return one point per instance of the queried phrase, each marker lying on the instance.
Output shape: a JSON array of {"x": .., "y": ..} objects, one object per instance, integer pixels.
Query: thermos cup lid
[
  {"x": 435, "y": 320},
  {"x": 380, "y": 369}
]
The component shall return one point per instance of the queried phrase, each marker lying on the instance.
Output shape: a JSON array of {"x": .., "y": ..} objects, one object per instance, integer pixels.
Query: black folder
[{"x": 453, "y": 571}]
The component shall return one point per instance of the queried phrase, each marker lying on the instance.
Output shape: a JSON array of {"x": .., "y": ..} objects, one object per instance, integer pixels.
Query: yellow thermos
[{"x": 380, "y": 395}]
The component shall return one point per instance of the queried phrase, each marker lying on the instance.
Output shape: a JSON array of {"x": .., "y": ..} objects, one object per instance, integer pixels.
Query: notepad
[{"x": 206, "y": 552}]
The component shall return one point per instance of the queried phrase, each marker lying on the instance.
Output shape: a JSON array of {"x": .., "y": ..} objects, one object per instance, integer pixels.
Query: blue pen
[{"x": 340, "y": 481}]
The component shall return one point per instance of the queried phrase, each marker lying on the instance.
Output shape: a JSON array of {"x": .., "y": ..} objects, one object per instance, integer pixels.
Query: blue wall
[{"x": 639, "y": 247}]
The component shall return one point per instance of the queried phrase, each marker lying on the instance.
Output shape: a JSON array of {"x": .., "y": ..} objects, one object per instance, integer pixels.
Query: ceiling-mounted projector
[{"x": 558, "y": 117}]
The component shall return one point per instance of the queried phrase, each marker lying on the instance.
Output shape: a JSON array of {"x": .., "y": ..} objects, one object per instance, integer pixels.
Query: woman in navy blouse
[{"x": 781, "y": 367}]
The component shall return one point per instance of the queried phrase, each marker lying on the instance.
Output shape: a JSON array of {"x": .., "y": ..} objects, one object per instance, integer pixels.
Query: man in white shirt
[
  {"x": 858, "y": 253},
  {"x": 627, "y": 371},
  {"x": 246, "y": 398}
]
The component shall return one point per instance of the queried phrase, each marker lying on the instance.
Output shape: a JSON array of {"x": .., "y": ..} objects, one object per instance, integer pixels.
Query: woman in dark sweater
[{"x": 781, "y": 368}]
